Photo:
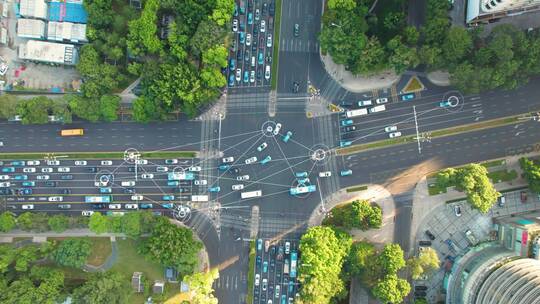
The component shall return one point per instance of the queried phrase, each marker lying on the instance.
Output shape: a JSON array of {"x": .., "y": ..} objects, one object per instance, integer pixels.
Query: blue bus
[
  {"x": 301, "y": 190},
  {"x": 180, "y": 176},
  {"x": 98, "y": 199},
  {"x": 294, "y": 260}
]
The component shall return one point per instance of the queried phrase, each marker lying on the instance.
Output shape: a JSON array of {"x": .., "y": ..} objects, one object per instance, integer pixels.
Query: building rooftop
[
  {"x": 485, "y": 10},
  {"x": 67, "y": 12},
  {"x": 48, "y": 52},
  {"x": 31, "y": 28},
  {"x": 33, "y": 9},
  {"x": 60, "y": 31}
]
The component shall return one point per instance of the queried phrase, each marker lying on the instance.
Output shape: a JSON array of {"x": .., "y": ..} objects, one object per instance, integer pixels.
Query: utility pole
[
  {"x": 417, "y": 135},
  {"x": 320, "y": 194},
  {"x": 219, "y": 132}
]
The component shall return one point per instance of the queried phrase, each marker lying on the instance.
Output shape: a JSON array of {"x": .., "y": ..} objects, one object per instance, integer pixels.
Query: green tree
[
  {"x": 147, "y": 109},
  {"x": 24, "y": 221},
  {"x": 216, "y": 56},
  {"x": 200, "y": 284},
  {"x": 26, "y": 256},
  {"x": 341, "y": 4},
  {"x": 35, "y": 110},
  {"x": 323, "y": 254},
  {"x": 457, "y": 45},
  {"x": 426, "y": 262},
  {"x": 98, "y": 223},
  {"x": 85, "y": 108},
  {"x": 7, "y": 221},
  {"x": 212, "y": 77},
  {"x": 371, "y": 58},
  {"x": 9, "y": 106},
  {"x": 108, "y": 287},
  {"x": 531, "y": 172},
  {"x": 391, "y": 289},
  {"x": 8, "y": 255},
  {"x": 108, "y": 105},
  {"x": 391, "y": 259},
  {"x": 402, "y": 56},
  {"x": 429, "y": 55},
  {"x": 166, "y": 236},
  {"x": 99, "y": 78},
  {"x": 58, "y": 223},
  {"x": 72, "y": 252},
  {"x": 142, "y": 35},
  {"x": 481, "y": 194},
  {"x": 447, "y": 177},
  {"x": 411, "y": 35},
  {"x": 131, "y": 224},
  {"x": 208, "y": 35},
  {"x": 360, "y": 258},
  {"x": 222, "y": 12},
  {"x": 177, "y": 41}
]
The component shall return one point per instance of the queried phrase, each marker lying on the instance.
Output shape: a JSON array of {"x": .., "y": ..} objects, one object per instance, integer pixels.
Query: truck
[
  {"x": 286, "y": 267},
  {"x": 357, "y": 112},
  {"x": 98, "y": 199},
  {"x": 72, "y": 132}
]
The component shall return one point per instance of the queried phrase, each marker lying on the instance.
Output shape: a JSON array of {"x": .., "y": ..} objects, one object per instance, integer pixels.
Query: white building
[
  {"x": 48, "y": 52},
  {"x": 484, "y": 11},
  {"x": 33, "y": 9},
  {"x": 31, "y": 28},
  {"x": 66, "y": 31}
]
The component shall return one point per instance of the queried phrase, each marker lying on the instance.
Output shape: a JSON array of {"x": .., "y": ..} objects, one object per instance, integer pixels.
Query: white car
[
  {"x": 325, "y": 174},
  {"x": 147, "y": 175},
  {"x": 142, "y": 162},
  {"x": 201, "y": 182},
  {"x": 42, "y": 177},
  {"x": 53, "y": 162},
  {"x": 267, "y": 72},
  {"x": 390, "y": 129},
  {"x": 4, "y": 177},
  {"x": 395, "y": 134},
  {"x": 235, "y": 25},
  {"x": 237, "y": 187},
  {"x": 27, "y": 207},
  {"x": 287, "y": 247},
  {"x": 263, "y": 26},
  {"x": 80, "y": 163},
  {"x": 46, "y": 170},
  {"x": 55, "y": 199},
  {"x": 115, "y": 206},
  {"x": 171, "y": 161},
  {"x": 131, "y": 206},
  {"x": 87, "y": 212},
  {"x": 162, "y": 169},
  {"x": 262, "y": 147},
  {"x": 195, "y": 169},
  {"x": 33, "y": 163},
  {"x": 242, "y": 177},
  {"x": 277, "y": 129},
  {"x": 5, "y": 184},
  {"x": 269, "y": 40},
  {"x": 64, "y": 169},
  {"x": 106, "y": 162},
  {"x": 251, "y": 160},
  {"x": 257, "y": 279},
  {"x": 248, "y": 39},
  {"x": 29, "y": 170},
  {"x": 381, "y": 100},
  {"x": 228, "y": 159},
  {"x": 136, "y": 197}
]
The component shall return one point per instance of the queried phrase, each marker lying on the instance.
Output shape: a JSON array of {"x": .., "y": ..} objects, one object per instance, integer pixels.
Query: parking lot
[
  {"x": 449, "y": 226},
  {"x": 250, "y": 57},
  {"x": 75, "y": 185},
  {"x": 276, "y": 272}
]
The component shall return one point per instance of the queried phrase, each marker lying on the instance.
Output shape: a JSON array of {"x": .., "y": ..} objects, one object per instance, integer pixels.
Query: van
[
  {"x": 253, "y": 61},
  {"x": 377, "y": 109},
  {"x": 128, "y": 184}
]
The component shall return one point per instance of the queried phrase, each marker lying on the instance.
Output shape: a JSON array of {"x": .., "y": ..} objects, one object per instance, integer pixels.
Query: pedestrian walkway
[
  {"x": 357, "y": 84},
  {"x": 374, "y": 193}
]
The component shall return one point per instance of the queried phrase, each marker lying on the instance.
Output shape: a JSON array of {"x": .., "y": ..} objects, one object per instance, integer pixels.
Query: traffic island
[{"x": 251, "y": 272}]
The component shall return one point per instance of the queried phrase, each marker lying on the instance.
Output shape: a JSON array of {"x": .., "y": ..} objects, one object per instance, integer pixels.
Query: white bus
[
  {"x": 377, "y": 109},
  {"x": 251, "y": 194},
  {"x": 199, "y": 198},
  {"x": 357, "y": 112}
]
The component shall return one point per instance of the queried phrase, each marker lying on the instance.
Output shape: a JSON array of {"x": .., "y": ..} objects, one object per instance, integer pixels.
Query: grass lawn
[
  {"x": 494, "y": 163},
  {"x": 355, "y": 189},
  {"x": 413, "y": 85},
  {"x": 101, "y": 250},
  {"x": 502, "y": 176},
  {"x": 434, "y": 189}
]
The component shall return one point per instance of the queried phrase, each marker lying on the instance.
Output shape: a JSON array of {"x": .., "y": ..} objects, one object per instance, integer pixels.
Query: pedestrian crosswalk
[{"x": 298, "y": 45}]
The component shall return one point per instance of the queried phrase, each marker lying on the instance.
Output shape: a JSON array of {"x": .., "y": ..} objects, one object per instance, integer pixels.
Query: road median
[
  {"x": 275, "y": 54},
  {"x": 499, "y": 122},
  {"x": 95, "y": 155}
]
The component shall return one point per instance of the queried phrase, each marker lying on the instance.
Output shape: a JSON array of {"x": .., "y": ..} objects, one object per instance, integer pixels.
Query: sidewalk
[
  {"x": 424, "y": 204},
  {"x": 357, "y": 84},
  {"x": 39, "y": 236},
  {"x": 374, "y": 193}
]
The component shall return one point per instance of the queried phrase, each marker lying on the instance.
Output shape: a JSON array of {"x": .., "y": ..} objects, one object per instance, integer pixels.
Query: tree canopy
[
  {"x": 7, "y": 221},
  {"x": 426, "y": 262},
  {"x": 103, "y": 287},
  {"x": 391, "y": 289},
  {"x": 531, "y": 171},
  {"x": 200, "y": 284},
  {"x": 358, "y": 214},
  {"x": 323, "y": 254},
  {"x": 72, "y": 252}
]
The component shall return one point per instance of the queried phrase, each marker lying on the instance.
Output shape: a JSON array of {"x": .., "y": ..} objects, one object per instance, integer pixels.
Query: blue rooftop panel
[
  {"x": 67, "y": 12},
  {"x": 525, "y": 222}
]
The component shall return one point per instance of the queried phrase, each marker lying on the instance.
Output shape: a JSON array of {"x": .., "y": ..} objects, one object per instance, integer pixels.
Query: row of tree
[
  {"x": 40, "y": 222},
  {"x": 472, "y": 179},
  {"x": 36, "y": 110},
  {"x": 329, "y": 259},
  {"x": 359, "y": 214},
  {"x": 531, "y": 172}
]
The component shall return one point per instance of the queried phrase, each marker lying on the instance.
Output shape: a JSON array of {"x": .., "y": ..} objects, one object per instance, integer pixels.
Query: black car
[
  {"x": 259, "y": 73},
  {"x": 6, "y": 191},
  {"x": 254, "y": 46},
  {"x": 51, "y": 184},
  {"x": 246, "y": 57},
  {"x": 98, "y": 206},
  {"x": 269, "y": 59},
  {"x": 66, "y": 191},
  {"x": 92, "y": 169},
  {"x": 271, "y": 9},
  {"x": 239, "y": 55},
  {"x": 295, "y": 87},
  {"x": 296, "y": 30},
  {"x": 430, "y": 235},
  {"x": 261, "y": 42},
  {"x": 424, "y": 243},
  {"x": 349, "y": 129},
  {"x": 66, "y": 177},
  {"x": 264, "y": 9},
  {"x": 258, "y": 262},
  {"x": 346, "y": 104},
  {"x": 420, "y": 287},
  {"x": 420, "y": 294},
  {"x": 129, "y": 191},
  {"x": 255, "y": 30},
  {"x": 250, "y": 4},
  {"x": 131, "y": 169}
]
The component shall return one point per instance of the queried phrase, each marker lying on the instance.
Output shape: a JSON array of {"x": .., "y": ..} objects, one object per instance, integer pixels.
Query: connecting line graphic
[
  {"x": 244, "y": 200},
  {"x": 312, "y": 167},
  {"x": 302, "y": 145},
  {"x": 285, "y": 157},
  {"x": 199, "y": 142},
  {"x": 231, "y": 147},
  {"x": 241, "y": 156},
  {"x": 154, "y": 182}
]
